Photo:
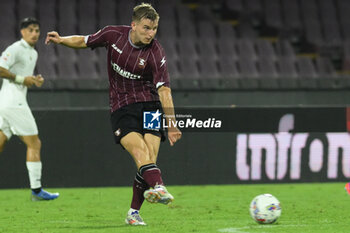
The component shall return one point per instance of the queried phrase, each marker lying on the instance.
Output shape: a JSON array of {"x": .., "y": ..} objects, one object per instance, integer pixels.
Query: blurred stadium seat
[
  {"x": 306, "y": 68},
  {"x": 106, "y": 12},
  {"x": 228, "y": 39},
  {"x": 291, "y": 13},
  {"x": 273, "y": 17},
  {"x": 267, "y": 68},
  {"x": 287, "y": 68}
]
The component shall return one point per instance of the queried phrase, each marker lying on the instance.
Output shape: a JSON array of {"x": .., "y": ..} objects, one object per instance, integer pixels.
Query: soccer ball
[{"x": 265, "y": 209}]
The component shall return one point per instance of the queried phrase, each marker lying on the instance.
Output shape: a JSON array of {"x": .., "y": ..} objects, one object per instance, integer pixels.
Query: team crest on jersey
[
  {"x": 141, "y": 63},
  {"x": 5, "y": 58},
  {"x": 118, "y": 132}
]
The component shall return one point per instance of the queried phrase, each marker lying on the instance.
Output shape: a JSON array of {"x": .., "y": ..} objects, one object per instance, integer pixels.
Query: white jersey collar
[{"x": 25, "y": 43}]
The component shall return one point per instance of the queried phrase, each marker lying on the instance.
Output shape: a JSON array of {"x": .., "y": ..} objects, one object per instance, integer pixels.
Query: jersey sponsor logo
[
  {"x": 141, "y": 63},
  {"x": 117, "y": 49},
  {"x": 162, "y": 62},
  {"x": 124, "y": 73},
  {"x": 159, "y": 84}
]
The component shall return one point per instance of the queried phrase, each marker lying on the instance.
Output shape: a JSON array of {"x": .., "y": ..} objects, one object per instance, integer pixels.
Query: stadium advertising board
[
  {"x": 292, "y": 156},
  {"x": 252, "y": 145},
  {"x": 281, "y": 144}
]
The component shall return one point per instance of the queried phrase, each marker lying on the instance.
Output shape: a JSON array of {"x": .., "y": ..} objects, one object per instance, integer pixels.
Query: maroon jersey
[{"x": 135, "y": 73}]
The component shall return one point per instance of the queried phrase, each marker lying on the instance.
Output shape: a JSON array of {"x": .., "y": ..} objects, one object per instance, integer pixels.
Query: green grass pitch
[{"x": 312, "y": 207}]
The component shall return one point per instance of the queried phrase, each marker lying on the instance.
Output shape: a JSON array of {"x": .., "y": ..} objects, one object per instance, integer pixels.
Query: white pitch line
[
  {"x": 234, "y": 230},
  {"x": 243, "y": 229}
]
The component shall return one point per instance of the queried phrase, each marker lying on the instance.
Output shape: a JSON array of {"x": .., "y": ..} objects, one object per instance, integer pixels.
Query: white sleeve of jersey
[
  {"x": 159, "y": 84},
  {"x": 8, "y": 58},
  {"x": 86, "y": 39}
]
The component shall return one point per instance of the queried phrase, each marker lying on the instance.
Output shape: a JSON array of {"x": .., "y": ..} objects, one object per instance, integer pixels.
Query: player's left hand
[
  {"x": 38, "y": 80},
  {"x": 174, "y": 134},
  {"x": 53, "y": 37}
]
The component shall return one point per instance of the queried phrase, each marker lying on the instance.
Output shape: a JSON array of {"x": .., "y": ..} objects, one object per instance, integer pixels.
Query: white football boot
[
  {"x": 133, "y": 218},
  {"x": 158, "y": 194}
]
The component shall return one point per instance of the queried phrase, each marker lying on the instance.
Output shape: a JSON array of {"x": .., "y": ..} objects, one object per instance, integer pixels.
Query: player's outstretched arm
[
  {"x": 76, "y": 41},
  {"x": 174, "y": 134}
]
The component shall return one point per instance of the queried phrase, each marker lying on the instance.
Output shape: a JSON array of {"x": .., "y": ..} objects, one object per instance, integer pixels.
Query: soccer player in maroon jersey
[{"x": 139, "y": 81}]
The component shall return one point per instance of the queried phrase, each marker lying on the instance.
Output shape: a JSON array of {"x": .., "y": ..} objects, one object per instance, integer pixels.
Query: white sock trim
[
  {"x": 34, "y": 172},
  {"x": 132, "y": 210}
]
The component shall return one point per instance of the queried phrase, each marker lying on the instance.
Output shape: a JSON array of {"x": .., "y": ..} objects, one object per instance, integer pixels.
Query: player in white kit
[{"x": 17, "y": 65}]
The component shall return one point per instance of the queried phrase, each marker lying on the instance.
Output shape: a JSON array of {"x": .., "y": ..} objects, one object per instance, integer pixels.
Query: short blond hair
[{"x": 144, "y": 10}]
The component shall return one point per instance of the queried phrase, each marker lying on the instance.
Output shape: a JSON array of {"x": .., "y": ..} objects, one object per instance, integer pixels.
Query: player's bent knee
[{"x": 142, "y": 156}]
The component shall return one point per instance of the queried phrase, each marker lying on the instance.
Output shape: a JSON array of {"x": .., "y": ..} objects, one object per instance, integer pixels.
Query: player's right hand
[
  {"x": 52, "y": 37},
  {"x": 174, "y": 134}
]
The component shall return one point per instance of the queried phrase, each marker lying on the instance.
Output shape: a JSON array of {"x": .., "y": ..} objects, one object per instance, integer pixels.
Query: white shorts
[{"x": 17, "y": 121}]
